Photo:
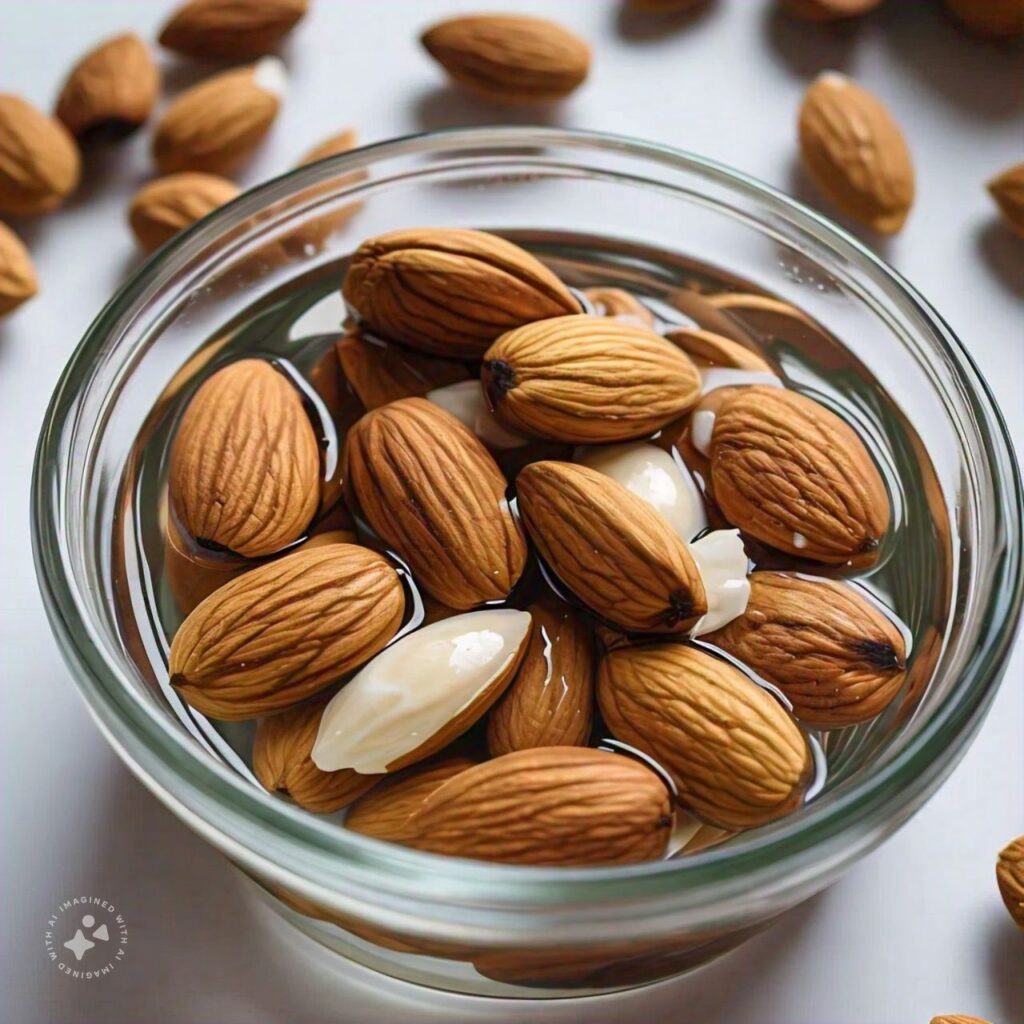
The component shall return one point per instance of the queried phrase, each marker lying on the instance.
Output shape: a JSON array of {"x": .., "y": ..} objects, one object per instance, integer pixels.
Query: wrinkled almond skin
[
  {"x": 792, "y": 474},
  {"x": 587, "y": 380},
  {"x": 235, "y": 29},
  {"x": 1007, "y": 189},
  {"x": 340, "y": 143},
  {"x": 736, "y": 757},
  {"x": 281, "y": 762},
  {"x": 215, "y": 126},
  {"x": 450, "y": 292},
  {"x": 111, "y": 90},
  {"x": 550, "y": 703},
  {"x": 829, "y": 10},
  {"x": 610, "y": 548},
  {"x": 855, "y": 153},
  {"x": 17, "y": 274},
  {"x": 39, "y": 160},
  {"x": 706, "y": 348},
  {"x": 548, "y": 806},
  {"x": 957, "y": 1018},
  {"x": 245, "y": 464},
  {"x": 994, "y": 18},
  {"x": 430, "y": 489},
  {"x": 381, "y": 373},
  {"x": 509, "y": 58},
  {"x": 168, "y": 205},
  {"x": 384, "y": 812},
  {"x": 836, "y": 657},
  {"x": 281, "y": 632},
  {"x": 1010, "y": 876},
  {"x": 617, "y": 302}
]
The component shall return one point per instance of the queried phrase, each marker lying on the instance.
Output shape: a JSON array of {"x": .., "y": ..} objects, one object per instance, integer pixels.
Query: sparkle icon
[{"x": 79, "y": 944}]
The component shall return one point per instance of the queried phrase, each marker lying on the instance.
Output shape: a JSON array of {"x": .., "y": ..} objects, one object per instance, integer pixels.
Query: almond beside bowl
[{"x": 700, "y": 246}]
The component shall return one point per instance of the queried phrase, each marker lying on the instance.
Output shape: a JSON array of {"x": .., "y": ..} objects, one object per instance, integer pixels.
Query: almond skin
[
  {"x": 215, "y": 126},
  {"x": 550, "y": 702},
  {"x": 281, "y": 762},
  {"x": 957, "y": 1018},
  {"x": 855, "y": 153},
  {"x": 836, "y": 657},
  {"x": 706, "y": 348},
  {"x": 340, "y": 143},
  {"x": 430, "y": 489},
  {"x": 549, "y": 806},
  {"x": 278, "y": 634},
  {"x": 617, "y": 302},
  {"x": 168, "y": 205},
  {"x": 111, "y": 90},
  {"x": 510, "y": 58},
  {"x": 235, "y": 29},
  {"x": 17, "y": 274},
  {"x": 792, "y": 474},
  {"x": 736, "y": 757},
  {"x": 1007, "y": 189},
  {"x": 1010, "y": 876},
  {"x": 993, "y": 18},
  {"x": 39, "y": 161},
  {"x": 450, "y": 292},
  {"x": 245, "y": 464},
  {"x": 829, "y": 10},
  {"x": 587, "y": 380},
  {"x": 610, "y": 548}
]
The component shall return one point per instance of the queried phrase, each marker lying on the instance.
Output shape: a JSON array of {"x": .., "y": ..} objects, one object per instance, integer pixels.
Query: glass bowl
[{"x": 494, "y": 929}]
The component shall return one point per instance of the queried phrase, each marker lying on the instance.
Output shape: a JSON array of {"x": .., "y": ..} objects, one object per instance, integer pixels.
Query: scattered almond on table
[{"x": 17, "y": 275}]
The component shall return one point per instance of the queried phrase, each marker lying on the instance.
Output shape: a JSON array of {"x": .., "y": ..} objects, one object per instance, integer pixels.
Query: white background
[{"x": 914, "y": 930}]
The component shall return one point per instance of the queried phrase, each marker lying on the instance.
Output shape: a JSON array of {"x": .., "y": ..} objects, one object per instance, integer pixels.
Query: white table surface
[{"x": 913, "y": 930}]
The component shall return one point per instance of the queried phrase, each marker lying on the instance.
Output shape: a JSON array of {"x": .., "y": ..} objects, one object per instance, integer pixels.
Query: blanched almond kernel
[
  {"x": 422, "y": 692},
  {"x": 465, "y": 400},
  {"x": 723, "y": 566}
]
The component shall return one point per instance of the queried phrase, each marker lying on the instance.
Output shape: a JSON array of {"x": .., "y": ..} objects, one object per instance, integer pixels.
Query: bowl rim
[{"x": 891, "y": 788}]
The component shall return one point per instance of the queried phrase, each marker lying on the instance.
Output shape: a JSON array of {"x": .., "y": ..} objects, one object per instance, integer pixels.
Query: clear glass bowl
[{"x": 495, "y": 929}]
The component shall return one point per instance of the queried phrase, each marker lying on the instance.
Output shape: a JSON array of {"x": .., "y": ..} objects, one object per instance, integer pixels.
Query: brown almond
[
  {"x": 450, "y": 292},
  {"x": 610, "y": 548},
  {"x": 1007, "y": 189},
  {"x": 617, "y": 302},
  {"x": 1010, "y": 876},
  {"x": 957, "y": 1018},
  {"x": 550, "y": 702},
  {"x": 284, "y": 630},
  {"x": 215, "y": 126},
  {"x": 993, "y": 18},
  {"x": 706, "y": 348},
  {"x": 281, "y": 762},
  {"x": 245, "y": 465},
  {"x": 168, "y": 205},
  {"x": 340, "y": 143},
  {"x": 829, "y": 10},
  {"x": 792, "y": 474},
  {"x": 855, "y": 153},
  {"x": 111, "y": 90},
  {"x": 39, "y": 160},
  {"x": 17, "y": 274},
  {"x": 587, "y": 380},
  {"x": 509, "y": 58},
  {"x": 737, "y": 758},
  {"x": 838, "y": 659},
  {"x": 549, "y": 806},
  {"x": 236, "y": 29},
  {"x": 430, "y": 489}
]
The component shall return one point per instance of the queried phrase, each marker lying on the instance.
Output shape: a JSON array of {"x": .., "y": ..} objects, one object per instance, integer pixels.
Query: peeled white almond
[
  {"x": 422, "y": 692},
  {"x": 651, "y": 473},
  {"x": 723, "y": 568},
  {"x": 465, "y": 400}
]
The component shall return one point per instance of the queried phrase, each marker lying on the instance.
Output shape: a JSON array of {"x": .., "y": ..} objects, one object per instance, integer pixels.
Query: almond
[
  {"x": 550, "y": 702},
  {"x": 618, "y": 303},
  {"x": 430, "y": 489},
  {"x": 111, "y": 90},
  {"x": 285, "y": 630},
  {"x": 466, "y": 401},
  {"x": 340, "y": 143},
  {"x": 610, "y": 548},
  {"x": 17, "y": 274},
  {"x": 245, "y": 466},
  {"x": 1010, "y": 876},
  {"x": 509, "y": 58},
  {"x": 380, "y": 373},
  {"x": 737, "y": 758},
  {"x": 281, "y": 762},
  {"x": 957, "y": 1018},
  {"x": 216, "y": 125},
  {"x": 588, "y": 380},
  {"x": 39, "y": 161},
  {"x": 706, "y": 348},
  {"x": 235, "y": 29},
  {"x": 829, "y": 10},
  {"x": 793, "y": 475},
  {"x": 168, "y": 205},
  {"x": 1007, "y": 189},
  {"x": 989, "y": 17},
  {"x": 549, "y": 806},
  {"x": 450, "y": 292},
  {"x": 855, "y": 153},
  {"x": 836, "y": 657},
  {"x": 384, "y": 811}
]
